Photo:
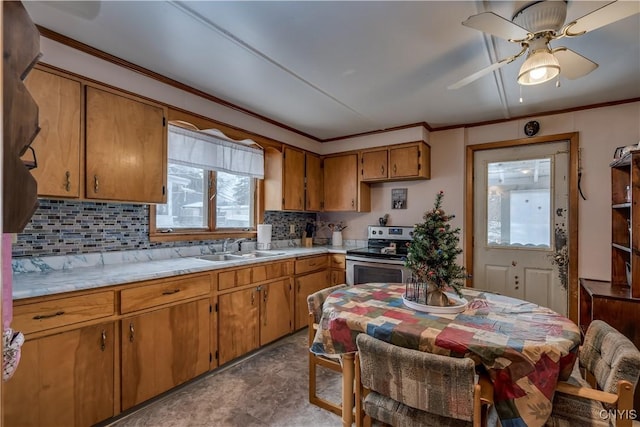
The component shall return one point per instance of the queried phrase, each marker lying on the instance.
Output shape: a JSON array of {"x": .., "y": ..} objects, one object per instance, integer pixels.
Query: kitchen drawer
[
  {"x": 271, "y": 270},
  {"x": 338, "y": 261},
  {"x": 312, "y": 263},
  {"x": 163, "y": 292},
  {"x": 232, "y": 278},
  {"x": 51, "y": 314}
]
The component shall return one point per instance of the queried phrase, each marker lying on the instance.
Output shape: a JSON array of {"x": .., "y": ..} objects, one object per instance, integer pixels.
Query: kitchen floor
[{"x": 269, "y": 388}]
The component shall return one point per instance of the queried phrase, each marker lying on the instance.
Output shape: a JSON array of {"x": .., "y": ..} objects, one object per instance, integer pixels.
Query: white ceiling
[{"x": 332, "y": 69}]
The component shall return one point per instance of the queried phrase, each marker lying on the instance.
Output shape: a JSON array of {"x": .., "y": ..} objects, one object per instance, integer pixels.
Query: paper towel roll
[{"x": 264, "y": 233}]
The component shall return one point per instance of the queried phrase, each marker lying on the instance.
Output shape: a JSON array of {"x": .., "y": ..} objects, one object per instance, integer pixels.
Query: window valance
[{"x": 212, "y": 150}]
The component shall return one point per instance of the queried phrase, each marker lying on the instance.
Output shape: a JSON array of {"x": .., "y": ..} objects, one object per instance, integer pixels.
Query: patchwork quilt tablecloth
[{"x": 525, "y": 348}]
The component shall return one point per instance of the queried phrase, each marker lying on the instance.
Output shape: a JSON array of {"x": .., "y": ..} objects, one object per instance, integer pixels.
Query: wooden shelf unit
[
  {"x": 625, "y": 222},
  {"x": 617, "y": 302}
]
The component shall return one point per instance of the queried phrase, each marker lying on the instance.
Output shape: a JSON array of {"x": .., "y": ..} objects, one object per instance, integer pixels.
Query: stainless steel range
[{"x": 383, "y": 258}]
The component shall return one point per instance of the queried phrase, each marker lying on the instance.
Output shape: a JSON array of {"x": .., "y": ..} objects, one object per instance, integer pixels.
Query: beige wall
[{"x": 601, "y": 130}]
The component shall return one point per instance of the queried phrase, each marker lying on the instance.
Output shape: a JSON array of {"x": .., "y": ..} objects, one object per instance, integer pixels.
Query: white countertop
[{"x": 82, "y": 272}]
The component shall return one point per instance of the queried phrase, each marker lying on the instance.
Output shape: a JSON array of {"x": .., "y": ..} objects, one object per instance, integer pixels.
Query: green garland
[{"x": 432, "y": 253}]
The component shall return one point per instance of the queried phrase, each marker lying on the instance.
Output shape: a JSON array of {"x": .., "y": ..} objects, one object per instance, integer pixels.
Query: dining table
[{"x": 524, "y": 348}]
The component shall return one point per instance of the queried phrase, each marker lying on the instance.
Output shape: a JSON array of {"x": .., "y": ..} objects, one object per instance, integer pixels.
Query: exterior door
[{"x": 521, "y": 222}]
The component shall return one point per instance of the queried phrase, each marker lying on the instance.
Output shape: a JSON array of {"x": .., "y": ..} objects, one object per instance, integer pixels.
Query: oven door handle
[{"x": 373, "y": 261}]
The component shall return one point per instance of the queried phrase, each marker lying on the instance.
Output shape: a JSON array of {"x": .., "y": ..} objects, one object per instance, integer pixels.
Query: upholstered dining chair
[
  {"x": 604, "y": 396},
  {"x": 315, "y": 302},
  {"x": 403, "y": 387}
]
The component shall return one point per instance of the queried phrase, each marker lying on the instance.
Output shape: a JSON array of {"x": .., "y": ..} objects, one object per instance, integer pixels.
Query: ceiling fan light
[{"x": 540, "y": 66}]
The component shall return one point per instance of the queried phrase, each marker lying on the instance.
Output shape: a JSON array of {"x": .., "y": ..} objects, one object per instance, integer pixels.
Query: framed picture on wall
[{"x": 399, "y": 198}]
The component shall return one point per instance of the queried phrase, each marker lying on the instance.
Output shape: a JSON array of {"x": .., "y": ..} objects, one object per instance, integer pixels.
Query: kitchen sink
[
  {"x": 220, "y": 257},
  {"x": 259, "y": 254},
  {"x": 239, "y": 255}
]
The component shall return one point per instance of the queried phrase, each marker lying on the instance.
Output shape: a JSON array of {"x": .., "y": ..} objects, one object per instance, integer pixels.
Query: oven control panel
[{"x": 392, "y": 233}]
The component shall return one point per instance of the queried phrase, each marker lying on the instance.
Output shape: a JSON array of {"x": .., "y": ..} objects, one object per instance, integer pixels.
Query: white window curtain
[{"x": 212, "y": 150}]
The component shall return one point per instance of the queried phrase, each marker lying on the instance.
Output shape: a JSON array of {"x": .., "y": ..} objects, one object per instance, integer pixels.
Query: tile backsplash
[{"x": 61, "y": 227}]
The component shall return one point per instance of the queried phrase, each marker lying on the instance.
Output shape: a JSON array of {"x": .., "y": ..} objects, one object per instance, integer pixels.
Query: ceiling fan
[{"x": 533, "y": 27}]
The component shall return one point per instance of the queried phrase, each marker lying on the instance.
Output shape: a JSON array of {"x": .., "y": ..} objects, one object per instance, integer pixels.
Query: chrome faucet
[{"x": 226, "y": 242}]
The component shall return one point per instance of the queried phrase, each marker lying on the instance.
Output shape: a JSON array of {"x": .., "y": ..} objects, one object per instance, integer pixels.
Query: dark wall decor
[{"x": 399, "y": 198}]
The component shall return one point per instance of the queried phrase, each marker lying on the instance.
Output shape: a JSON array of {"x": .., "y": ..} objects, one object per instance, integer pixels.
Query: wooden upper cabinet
[
  {"x": 313, "y": 178},
  {"x": 374, "y": 164},
  {"x": 126, "y": 148},
  {"x": 342, "y": 189},
  {"x": 293, "y": 182},
  {"x": 57, "y": 146},
  {"x": 396, "y": 162},
  {"x": 410, "y": 161}
]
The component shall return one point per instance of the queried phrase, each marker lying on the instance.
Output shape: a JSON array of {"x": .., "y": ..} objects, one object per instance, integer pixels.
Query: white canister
[{"x": 336, "y": 238}]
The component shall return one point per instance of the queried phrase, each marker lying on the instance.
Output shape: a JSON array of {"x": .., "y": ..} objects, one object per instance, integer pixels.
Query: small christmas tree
[{"x": 431, "y": 255}]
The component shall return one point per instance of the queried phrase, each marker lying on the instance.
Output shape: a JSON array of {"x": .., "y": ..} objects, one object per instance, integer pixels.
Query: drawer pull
[
  {"x": 171, "y": 292},
  {"x": 48, "y": 316},
  {"x": 103, "y": 340}
]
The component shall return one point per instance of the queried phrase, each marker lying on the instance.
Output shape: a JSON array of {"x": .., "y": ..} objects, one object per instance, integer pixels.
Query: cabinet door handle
[
  {"x": 96, "y": 183},
  {"x": 171, "y": 292},
  {"x": 253, "y": 297},
  {"x": 48, "y": 316},
  {"x": 67, "y": 183},
  {"x": 395, "y": 169},
  {"x": 131, "y": 332},
  {"x": 103, "y": 340},
  {"x": 382, "y": 169},
  {"x": 353, "y": 203},
  {"x": 263, "y": 309}
]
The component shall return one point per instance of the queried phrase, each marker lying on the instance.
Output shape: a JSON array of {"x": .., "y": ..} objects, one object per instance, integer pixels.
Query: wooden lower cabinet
[
  {"x": 306, "y": 285},
  {"x": 162, "y": 349},
  {"x": 338, "y": 265},
  {"x": 238, "y": 323},
  {"x": 250, "y": 318},
  {"x": 65, "y": 379},
  {"x": 276, "y": 311},
  {"x": 338, "y": 277}
]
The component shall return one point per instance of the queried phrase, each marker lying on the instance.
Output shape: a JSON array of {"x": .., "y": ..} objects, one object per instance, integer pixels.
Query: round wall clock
[{"x": 531, "y": 128}]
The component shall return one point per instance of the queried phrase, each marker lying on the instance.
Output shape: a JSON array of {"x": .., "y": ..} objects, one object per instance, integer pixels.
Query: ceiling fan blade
[
  {"x": 496, "y": 25},
  {"x": 480, "y": 73},
  {"x": 606, "y": 15},
  {"x": 572, "y": 64}
]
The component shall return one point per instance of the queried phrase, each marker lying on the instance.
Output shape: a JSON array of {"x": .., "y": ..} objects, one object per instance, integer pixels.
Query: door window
[{"x": 519, "y": 203}]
